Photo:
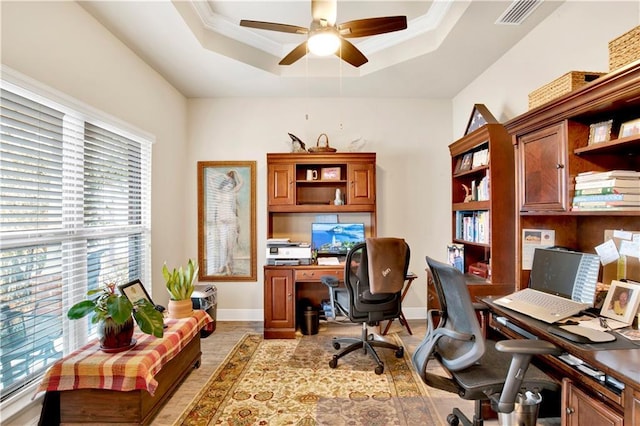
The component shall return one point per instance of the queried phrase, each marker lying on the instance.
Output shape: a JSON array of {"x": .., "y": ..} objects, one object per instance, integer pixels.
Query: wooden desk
[
  {"x": 127, "y": 387},
  {"x": 284, "y": 286},
  {"x": 582, "y": 396}
]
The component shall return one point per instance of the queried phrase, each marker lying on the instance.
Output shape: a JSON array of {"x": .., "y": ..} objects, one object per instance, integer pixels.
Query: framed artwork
[
  {"x": 455, "y": 255},
  {"x": 466, "y": 162},
  {"x": 621, "y": 303},
  {"x": 330, "y": 173},
  {"x": 479, "y": 117},
  {"x": 227, "y": 220},
  {"x": 600, "y": 132},
  {"x": 135, "y": 291},
  {"x": 630, "y": 128}
]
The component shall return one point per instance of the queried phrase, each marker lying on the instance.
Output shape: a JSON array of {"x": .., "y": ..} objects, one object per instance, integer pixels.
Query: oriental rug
[{"x": 289, "y": 382}]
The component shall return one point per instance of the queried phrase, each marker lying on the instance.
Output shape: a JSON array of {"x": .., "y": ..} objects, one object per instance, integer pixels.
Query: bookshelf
[
  {"x": 483, "y": 207},
  {"x": 552, "y": 147}
]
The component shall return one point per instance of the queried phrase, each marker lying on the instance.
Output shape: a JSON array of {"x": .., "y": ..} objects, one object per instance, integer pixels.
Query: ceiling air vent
[{"x": 518, "y": 11}]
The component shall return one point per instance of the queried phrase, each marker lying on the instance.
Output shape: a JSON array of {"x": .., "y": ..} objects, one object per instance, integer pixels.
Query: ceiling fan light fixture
[{"x": 323, "y": 41}]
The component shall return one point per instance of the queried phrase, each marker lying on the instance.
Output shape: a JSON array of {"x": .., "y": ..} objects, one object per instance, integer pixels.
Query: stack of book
[{"x": 613, "y": 190}]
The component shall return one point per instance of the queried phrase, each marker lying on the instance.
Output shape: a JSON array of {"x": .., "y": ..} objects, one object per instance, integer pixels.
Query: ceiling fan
[{"x": 325, "y": 37}]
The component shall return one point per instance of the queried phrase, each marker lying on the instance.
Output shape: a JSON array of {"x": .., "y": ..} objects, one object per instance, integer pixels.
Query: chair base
[{"x": 368, "y": 344}]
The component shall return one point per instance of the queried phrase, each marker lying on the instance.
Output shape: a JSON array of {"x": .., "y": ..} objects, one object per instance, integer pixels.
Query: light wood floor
[{"x": 216, "y": 347}]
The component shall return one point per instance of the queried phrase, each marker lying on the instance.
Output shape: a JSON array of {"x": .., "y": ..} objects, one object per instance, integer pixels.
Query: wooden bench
[{"x": 79, "y": 392}]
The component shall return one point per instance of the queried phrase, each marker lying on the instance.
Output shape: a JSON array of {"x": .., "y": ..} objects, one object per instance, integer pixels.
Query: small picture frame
[
  {"x": 330, "y": 173},
  {"x": 458, "y": 165},
  {"x": 135, "y": 291},
  {"x": 600, "y": 132},
  {"x": 621, "y": 303},
  {"x": 455, "y": 254},
  {"x": 630, "y": 128},
  {"x": 466, "y": 162}
]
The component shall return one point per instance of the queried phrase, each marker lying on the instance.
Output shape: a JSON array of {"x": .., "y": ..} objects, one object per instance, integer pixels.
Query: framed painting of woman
[{"x": 227, "y": 220}]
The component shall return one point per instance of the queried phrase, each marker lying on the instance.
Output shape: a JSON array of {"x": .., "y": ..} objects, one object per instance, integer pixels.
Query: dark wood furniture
[
  {"x": 585, "y": 400},
  {"x": 551, "y": 148},
  {"x": 495, "y": 210},
  {"x": 292, "y": 205}
]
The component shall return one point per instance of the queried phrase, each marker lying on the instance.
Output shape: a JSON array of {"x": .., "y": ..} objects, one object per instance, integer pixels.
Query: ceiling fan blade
[
  {"x": 372, "y": 26},
  {"x": 272, "y": 26},
  {"x": 349, "y": 53},
  {"x": 295, "y": 54},
  {"x": 324, "y": 10}
]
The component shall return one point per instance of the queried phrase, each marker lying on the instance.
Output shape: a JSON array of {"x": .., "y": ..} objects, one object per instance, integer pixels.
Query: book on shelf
[
  {"x": 607, "y": 190},
  {"x": 606, "y": 197},
  {"x": 473, "y": 226},
  {"x": 609, "y": 183},
  {"x": 620, "y": 174},
  {"x": 480, "y": 158},
  {"x": 606, "y": 208},
  {"x": 606, "y": 203}
]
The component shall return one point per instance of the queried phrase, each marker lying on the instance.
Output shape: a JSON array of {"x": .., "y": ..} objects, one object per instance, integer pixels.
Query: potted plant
[
  {"x": 180, "y": 285},
  {"x": 114, "y": 314}
]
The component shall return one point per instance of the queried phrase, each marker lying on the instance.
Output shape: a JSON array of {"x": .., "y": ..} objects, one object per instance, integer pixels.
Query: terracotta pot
[
  {"x": 180, "y": 308},
  {"x": 115, "y": 337}
]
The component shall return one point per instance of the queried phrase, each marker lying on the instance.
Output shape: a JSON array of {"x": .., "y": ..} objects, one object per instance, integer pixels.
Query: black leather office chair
[
  {"x": 374, "y": 275},
  {"x": 479, "y": 369}
]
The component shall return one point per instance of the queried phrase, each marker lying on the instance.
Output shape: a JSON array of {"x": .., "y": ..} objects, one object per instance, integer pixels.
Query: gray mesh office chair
[
  {"x": 479, "y": 369},
  {"x": 374, "y": 275}
]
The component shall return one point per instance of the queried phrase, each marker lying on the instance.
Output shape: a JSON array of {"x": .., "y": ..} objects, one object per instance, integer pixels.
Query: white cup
[{"x": 312, "y": 174}]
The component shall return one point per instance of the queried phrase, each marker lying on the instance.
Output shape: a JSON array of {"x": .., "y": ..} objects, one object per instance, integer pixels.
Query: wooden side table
[{"x": 407, "y": 283}]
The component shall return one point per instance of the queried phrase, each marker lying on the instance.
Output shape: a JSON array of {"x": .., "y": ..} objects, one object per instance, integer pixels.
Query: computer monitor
[{"x": 336, "y": 238}]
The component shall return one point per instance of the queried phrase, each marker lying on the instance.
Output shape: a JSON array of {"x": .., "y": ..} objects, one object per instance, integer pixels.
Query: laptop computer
[{"x": 561, "y": 285}]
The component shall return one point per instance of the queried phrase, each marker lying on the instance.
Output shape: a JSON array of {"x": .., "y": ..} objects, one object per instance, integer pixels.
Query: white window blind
[{"x": 74, "y": 215}]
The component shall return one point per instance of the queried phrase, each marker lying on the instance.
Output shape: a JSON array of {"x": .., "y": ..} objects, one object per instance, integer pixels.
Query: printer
[{"x": 288, "y": 253}]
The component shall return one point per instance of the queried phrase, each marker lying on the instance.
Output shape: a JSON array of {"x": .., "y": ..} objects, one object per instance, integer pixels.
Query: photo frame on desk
[
  {"x": 621, "y": 303},
  {"x": 135, "y": 291},
  {"x": 227, "y": 220}
]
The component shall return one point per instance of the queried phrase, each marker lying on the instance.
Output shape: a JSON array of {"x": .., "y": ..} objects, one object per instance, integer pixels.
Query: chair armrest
[
  {"x": 522, "y": 350},
  {"x": 530, "y": 347},
  {"x": 330, "y": 280}
]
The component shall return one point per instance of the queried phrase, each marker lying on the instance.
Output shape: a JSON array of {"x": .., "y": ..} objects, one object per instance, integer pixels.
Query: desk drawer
[{"x": 315, "y": 274}]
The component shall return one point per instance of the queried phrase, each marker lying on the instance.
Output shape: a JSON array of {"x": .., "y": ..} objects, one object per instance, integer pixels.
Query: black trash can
[{"x": 310, "y": 321}]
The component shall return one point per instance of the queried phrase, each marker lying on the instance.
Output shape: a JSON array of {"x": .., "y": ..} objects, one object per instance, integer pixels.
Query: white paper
[
  {"x": 623, "y": 235},
  {"x": 328, "y": 261},
  {"x": 533, "y": 239},
  {"x": 630, "y": 248},
  {"x": 608, "y": 252}
]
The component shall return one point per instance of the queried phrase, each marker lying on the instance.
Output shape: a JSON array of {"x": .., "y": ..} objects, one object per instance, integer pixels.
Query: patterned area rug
[{"x": 289, "y": 382}]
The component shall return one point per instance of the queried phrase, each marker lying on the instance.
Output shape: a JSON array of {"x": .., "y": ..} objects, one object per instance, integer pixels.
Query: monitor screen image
[{"x": 336, "y": 238}]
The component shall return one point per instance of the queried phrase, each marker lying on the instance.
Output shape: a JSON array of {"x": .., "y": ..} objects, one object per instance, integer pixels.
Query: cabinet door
[
  {"x": 579, "y": 409},
  {"x": 542, "y": 171},
  {"x": 362, "y": 183},
  {"x": 278, "y": 298},
  {"x": 281, "y": 184}
]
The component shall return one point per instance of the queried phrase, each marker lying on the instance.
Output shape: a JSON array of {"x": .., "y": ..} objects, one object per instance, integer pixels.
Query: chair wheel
[
  {"x": 379, "y": 369},
  {"x": 336, "y": 345},
  {"x": 453, "y": 420},
  {"x": 333, "y": 363},
  {"x": 400, "y": 352}
]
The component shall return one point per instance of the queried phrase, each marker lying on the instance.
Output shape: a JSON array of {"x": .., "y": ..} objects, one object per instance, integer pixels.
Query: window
[{"x": 74, "y": 214}]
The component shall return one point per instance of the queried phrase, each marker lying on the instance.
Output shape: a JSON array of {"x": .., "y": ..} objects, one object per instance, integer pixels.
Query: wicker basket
[
  {"x": 324, "y": 148},
  {"x": 624, "y": 49},
  {"x": 567, "y": 83}
]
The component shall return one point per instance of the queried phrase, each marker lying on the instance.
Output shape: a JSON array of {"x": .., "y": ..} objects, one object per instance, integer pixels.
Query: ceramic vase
[
  {"x": 115, "y": 337},
  {"x": 180, "y": 308}
]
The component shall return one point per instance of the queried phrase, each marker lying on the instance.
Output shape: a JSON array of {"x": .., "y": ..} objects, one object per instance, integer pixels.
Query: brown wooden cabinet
[
  {"x": 552, "y": 146},
  {"x": 279, "y": 304},
  {"x": 581, "y": 409},
  {"x": 483, "y": 207},
  {"x": 293, "y": 203}
]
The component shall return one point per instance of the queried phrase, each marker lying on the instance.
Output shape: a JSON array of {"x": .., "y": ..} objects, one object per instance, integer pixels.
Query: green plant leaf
[
  {"x": 119, "y": 308},
  {"x": 81, "y": 309},
  {"x": 148, "y": 318}
]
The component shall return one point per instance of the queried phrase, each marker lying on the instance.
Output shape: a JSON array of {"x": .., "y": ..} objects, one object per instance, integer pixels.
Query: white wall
[
  {"x": 62, "y": 46},
  {"x": 574, "y": 38},
  {"x": 410, "y": 138}
]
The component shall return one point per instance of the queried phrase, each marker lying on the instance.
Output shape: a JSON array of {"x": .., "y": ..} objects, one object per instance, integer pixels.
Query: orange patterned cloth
[{"x": 91, "y": 368}]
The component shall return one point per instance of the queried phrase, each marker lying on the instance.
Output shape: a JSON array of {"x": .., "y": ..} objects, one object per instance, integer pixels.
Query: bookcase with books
[
  {"x": 567, "y": 181},
  {"x": 483, "y": 208}
]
